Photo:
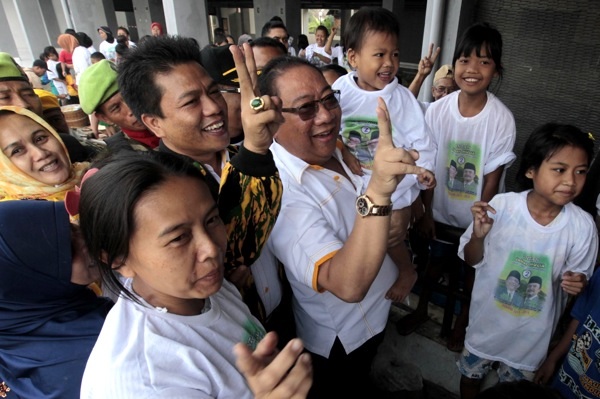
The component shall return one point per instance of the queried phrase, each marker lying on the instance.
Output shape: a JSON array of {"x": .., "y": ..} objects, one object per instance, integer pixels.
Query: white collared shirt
[{"x": 317, "y": 216}]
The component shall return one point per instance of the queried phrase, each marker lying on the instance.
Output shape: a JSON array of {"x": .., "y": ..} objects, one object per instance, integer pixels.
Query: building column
[
  {"x": 146, "y": 12},
  {"x": 445, "y": 20},
  {"x": 87, "y": 15},
  {"x": 288, "y": 10},
  {"x": 28, "y": 28},
  {"x": 188, "y": 18}
]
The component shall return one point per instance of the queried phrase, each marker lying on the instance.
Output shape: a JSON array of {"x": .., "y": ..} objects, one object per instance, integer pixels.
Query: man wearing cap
[
  {"x": 99, "y": 94},
  {"x": 532, "y": 299},
  {"x": 219, "y": 64},
  {"x": 15, "y": 89},
  {"x": 507, "y": 293},
  {"x": 37, "y": 75},
  {"x": 443, "y": 82},
  {"x": 167, "y": 88}
]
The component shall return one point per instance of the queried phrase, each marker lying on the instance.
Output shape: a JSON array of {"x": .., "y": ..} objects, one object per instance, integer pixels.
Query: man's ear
[
  {"x": 351, "y": 56},
  {"x": 154, "y": 124}
]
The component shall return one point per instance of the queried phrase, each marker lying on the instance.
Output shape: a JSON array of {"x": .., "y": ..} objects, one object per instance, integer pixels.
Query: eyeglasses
[
  {"x": 444, "y": 89},
  {"x": 309, "y": 110}
]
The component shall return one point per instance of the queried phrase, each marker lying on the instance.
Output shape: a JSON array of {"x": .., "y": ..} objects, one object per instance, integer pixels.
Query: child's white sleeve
[{"x": 582, "y": 255}]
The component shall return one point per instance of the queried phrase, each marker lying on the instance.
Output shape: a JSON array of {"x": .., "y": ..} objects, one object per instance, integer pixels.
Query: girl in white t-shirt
[
  {"x": 474, "y": 133},
  {"x": 152, "y": 218},
  {"x": 529, "y": 250}
]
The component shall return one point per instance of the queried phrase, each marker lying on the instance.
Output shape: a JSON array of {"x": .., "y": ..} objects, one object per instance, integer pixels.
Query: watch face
[{"x": 362, "y": 207}]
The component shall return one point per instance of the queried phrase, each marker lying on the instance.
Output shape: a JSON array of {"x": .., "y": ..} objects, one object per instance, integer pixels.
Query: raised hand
[
  {"x": 271, "y": 375},
  {"x": 482, "y": 223},
  {"x": 390, "y": 163},
  {"x": 262, "y": 122},
  {"x": 427, "y": 62}
]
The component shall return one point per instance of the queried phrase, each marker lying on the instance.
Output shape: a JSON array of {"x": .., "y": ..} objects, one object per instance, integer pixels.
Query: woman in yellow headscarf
[{"x": 34, "y": 162}]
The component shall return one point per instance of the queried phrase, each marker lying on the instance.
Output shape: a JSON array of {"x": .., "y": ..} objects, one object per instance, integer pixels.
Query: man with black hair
[
  {"x": 275, "y": 29},
  {"x": 167, "y": 88},
  {"x": 265, "y": 49}
]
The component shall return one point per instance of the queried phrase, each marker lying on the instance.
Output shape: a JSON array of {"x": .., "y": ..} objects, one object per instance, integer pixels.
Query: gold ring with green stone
[{"x": 257, "y": 104}]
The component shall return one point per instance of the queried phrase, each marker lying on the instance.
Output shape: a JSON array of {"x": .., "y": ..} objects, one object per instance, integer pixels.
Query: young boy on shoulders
[{"x": 372, "y": 40}]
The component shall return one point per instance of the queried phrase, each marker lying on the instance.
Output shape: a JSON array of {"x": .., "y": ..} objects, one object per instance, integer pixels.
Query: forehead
[
  {"x": 279, "y": 32},
  {"x": 15, "y": 124},
  {"x": 305, "y": 81},
  {"x": 375, "y": 38},
  {"x": 180, "y": 76},
  {"x": 444, "y": 82},
  {"x": 262, "y": 55},
  {"x": 15, "y": 85}
]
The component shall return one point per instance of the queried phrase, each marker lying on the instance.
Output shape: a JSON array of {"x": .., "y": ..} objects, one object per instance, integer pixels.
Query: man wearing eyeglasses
[
  {"x": 331, "y": 239},
  {"x": 443, "y": 82},
  {"x": 277, "y": 30}
]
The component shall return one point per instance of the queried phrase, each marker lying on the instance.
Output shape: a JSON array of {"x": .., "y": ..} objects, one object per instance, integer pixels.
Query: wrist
[{"x": 378, "y": 199}]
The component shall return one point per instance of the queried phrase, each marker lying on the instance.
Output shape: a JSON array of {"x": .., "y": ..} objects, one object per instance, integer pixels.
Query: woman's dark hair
[
  {"x": 124, "y": 29},
  {"x": 122, "y": 39},
  {"x": 276, "y": 68},
  {"x": 108, "y": 201},
  {"x": 544, "y": 142},
  {"x": 121, "y": 49},
  {"x": 302, "y": 42},
  {"x": 84, "y": 39},
  {"x": 141, "y": 65},
  {"x": 369, "y": 19},
  {"x": 475, "y": 37}
]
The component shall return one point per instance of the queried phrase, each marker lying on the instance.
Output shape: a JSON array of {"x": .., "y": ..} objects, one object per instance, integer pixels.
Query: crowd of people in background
[{"x": 255, "y": 209}]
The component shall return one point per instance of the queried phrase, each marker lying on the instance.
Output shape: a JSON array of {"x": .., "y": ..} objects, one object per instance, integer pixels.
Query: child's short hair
[
  {"x": 367, "y": 19},
  {"x": 97, "y": 56},
  {"x": 322, "y": 28},
  {"x": 50, "y": 50},
  {"x": 544, "y": 142},
  {"x": 40, "y": 64},
  {"x": 476, "y": 36}
]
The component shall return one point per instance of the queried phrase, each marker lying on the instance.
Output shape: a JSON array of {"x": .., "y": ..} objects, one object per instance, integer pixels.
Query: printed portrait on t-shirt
[
  {"x": 361, "y": 137},
  {"x": 464, "y": 170},
  {"x": 524, "y": 283}
]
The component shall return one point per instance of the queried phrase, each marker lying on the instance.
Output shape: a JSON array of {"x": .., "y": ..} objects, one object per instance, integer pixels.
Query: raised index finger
[
  {"x": 245, "y": 66},
  {"x": 430, "y": 53},
  {"x": 384, "y": 124},
  {"x": 435, "y": 55}
]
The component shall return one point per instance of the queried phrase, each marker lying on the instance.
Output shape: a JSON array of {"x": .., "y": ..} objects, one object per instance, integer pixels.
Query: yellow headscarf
[{"x": 16, "y": 185}]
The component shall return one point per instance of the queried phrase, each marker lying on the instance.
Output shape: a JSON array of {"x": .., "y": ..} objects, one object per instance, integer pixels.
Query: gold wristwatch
[{"x": 365, "y": 207}]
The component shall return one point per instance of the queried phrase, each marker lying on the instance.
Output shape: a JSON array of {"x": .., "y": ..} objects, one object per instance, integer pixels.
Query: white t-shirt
[
  {"x": 316, "y": 218},
  {"x": 517, "y": 330},
  {"x": 61, "y": 87},
  {"x": 108, "y": 49},
  {"x": 81, "y": 60},
  {"x": 313, "y": 49},
  {"x": 360, "y": 132},
  {"x": 485, "y": 141},
  {"x": 145, "y": 353}
]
